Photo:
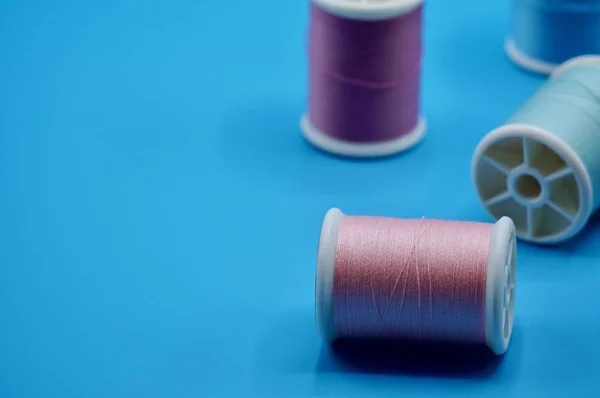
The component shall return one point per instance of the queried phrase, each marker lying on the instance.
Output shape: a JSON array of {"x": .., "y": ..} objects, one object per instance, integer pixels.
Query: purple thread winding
[{"x": 365, "y": 76}]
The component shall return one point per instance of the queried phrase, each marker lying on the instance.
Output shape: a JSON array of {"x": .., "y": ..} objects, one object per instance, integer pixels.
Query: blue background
[{"x": 160, "y": 211}]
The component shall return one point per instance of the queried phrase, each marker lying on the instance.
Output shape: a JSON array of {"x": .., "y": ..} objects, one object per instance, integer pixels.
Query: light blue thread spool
[
  {"x": 546, "y": 33},
  {"x": 542, "y": 168}
]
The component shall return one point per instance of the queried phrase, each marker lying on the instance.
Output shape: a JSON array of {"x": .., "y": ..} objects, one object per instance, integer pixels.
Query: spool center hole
[{"x": 528, "y": 187}]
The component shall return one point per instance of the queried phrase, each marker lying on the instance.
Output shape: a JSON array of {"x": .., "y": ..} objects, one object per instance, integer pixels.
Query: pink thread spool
[
  {"x": 360, "y": 257},
  {"x": 364, "y": 84}
]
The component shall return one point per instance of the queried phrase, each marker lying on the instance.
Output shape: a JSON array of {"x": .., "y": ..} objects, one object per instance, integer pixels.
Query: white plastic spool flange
[
  {"x": 364, "y": 10},
  {"x": 500, "y": 281},
  {"x": 525, "y": 61},
  {"x": 368, "y": 9},
  {"x": 362, "y": 150},
  {"x": 527, "y": 173}
]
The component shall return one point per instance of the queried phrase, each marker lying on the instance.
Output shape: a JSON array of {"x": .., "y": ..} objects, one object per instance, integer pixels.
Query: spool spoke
[
  {"x": 543, "y": 159},
  {"x": 526, "y": 152},
  {"x": 513, "y": 209},
  {"x": 509, "y": 284},
  {"x": 530, "y": 222},
  {"x": 560, "y": 211},
  {"x": 508, "y": 153},
  {"x": 549, "y": 220},
  {"x": 564, "y": 195},
  {"x": 559, "y": 174},
  {"x": 509, "y": 261},
  {"x": 496, "y": 164},
  {"x": 498, "y": 198}
]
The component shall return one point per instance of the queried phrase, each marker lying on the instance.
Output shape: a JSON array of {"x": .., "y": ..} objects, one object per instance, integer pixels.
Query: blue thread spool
[
  {"x": 546, "y": 33},
  {"x": 542, "y": 168}
]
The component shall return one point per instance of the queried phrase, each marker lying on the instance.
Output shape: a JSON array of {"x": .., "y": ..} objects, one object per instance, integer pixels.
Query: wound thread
[
  {"x": 416, "y": 280},
  {"x": 364, "y": 79},
  {"x": 546, "y": 33}
]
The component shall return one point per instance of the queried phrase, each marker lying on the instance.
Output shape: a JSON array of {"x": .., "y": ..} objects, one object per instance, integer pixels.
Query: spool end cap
[
  {"x": 325, "y": 272},
  {"x": 360, "y": 149},
  {"x": 525, "y": 61},
  {"x": 368, "y": 9},
  {"x": 500, "y": 285},
  {"x": 528, "y": 174}
]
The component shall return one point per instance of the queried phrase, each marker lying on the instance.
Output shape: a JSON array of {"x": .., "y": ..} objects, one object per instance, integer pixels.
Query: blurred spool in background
[
  {"x": 416, "y": 280},
  {"x": 542, "y": 168},
  {"x": 364, "y": 76},
  {"x": 546, "y": 33}
]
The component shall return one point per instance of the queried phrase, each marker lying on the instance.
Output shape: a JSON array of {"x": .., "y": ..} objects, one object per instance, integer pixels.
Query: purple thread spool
[{"x": 365, "y": 69}]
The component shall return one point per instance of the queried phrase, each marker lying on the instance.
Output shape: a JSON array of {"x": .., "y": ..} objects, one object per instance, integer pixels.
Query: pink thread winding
[{"x": 411, "y": 279}]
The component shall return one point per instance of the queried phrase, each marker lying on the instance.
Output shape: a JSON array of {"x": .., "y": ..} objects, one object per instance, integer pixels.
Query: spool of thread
[
  {"x": 546, "y": 33},
  {"x": 364, "y": 76},
  {"x": 416, "y": 280},
  {"x": 542, "y": 168}
]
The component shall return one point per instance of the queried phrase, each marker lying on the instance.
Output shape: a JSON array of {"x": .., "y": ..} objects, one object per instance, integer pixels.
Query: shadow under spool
[
  {"x": 481, "y": 313},
  {"x": 542, "y": 168}
]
